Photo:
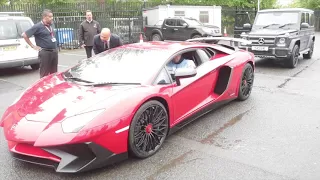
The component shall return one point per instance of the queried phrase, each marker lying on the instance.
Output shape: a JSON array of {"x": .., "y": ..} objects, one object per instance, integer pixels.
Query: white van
[{"x": 14, "y": 51}]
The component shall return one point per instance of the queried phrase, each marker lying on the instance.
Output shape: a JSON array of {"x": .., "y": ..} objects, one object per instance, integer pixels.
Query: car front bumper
[
  {"x": 71, "y": 158},
  {"x": 19, "y": 62},
  {"x": 272, "y": 52}
]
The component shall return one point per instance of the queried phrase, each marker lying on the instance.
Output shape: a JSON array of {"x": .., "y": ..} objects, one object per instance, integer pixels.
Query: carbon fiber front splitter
[{"x": 76, "y": 157}]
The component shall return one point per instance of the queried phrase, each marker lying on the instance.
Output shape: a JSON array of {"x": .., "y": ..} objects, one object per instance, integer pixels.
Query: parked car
[
  {"x": 282, "y": 34},
  {"x": 180, "y": 29},
  {"x": 111, "y": 105},
  {"x": 14, "y": 51}
]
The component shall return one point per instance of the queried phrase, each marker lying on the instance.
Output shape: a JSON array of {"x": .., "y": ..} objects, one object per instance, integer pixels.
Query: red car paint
[{"x": 34, "y": 120}]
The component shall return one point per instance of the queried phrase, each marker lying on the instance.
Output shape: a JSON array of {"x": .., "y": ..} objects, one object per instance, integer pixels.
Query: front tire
[
  {"x": 35, "y": 66},
  {"x": 196, "y": 36},
  {"x": 148, "y": 129},
  {"x": 246, "y": 83},
  {"x": 293, "y": 60}
]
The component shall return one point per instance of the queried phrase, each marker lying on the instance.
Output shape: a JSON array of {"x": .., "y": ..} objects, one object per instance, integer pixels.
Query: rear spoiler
[{"x": 216, "y": 40}]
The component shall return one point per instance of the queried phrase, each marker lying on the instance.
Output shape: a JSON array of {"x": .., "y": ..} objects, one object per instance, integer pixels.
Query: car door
[
  {"x": 193, "y": 92},
  {"x": 168, "y": 29},
  {"x": 183, "y": 33},
  {"x": 303, "y": 32}
]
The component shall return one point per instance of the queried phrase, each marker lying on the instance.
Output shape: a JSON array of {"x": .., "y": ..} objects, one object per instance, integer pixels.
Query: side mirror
[
  {"x": 184, "y": 73},
  {"x": 247, "y": 26},
  {"x": 304, "y": 25},
  {"x": 185, "y": 25}
]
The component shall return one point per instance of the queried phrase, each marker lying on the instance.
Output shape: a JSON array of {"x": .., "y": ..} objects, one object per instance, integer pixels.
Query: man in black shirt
[
  {"x": 88, "y": 29},
  {"x": 45, "y": 43}
]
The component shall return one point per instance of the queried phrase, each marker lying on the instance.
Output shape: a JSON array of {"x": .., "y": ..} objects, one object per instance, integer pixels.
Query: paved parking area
[{"x": 273, "y": 135}]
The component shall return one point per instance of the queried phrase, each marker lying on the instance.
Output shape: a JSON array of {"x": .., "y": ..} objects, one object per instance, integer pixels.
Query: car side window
[
  {"x": 170, "y": 22},
  {"x": 180, "y": 22},
  {"x": 163, "y": 77}
]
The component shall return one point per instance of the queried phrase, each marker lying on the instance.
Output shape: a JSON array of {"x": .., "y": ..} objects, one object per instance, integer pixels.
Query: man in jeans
[
  {"x": 88, "y": 29},
  {"x": 45, "y": 43}
]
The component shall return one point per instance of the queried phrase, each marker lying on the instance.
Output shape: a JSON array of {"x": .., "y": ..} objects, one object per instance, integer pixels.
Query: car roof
[
  {"x": 14, "y": 18},
  {"x": 287, "y": 9}
]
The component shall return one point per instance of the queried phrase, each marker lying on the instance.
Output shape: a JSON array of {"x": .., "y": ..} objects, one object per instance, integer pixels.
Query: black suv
[
  {"x": 282, "y": 34},
  {"x": 180, "y": 29}
]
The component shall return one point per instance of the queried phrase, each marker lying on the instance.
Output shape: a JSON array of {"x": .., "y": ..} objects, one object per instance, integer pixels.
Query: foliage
[{"x": 310, "y": 4}]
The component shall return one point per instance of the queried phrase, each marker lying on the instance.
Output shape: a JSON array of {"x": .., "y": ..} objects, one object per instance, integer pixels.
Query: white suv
[{"x": 14, "y": 51}]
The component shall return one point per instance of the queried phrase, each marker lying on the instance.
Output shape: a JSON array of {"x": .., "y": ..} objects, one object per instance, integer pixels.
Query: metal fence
[{"x": 123, "y": 18}]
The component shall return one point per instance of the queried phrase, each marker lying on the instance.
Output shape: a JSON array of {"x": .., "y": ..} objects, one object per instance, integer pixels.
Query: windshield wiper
[
  {"x": 269, "y": 25},
  {"x": 75, "y": 78},
  {"x": 78, "y": 79},
  {"x": 111, "y": 83},
  {"x": 286, "y": 25}
]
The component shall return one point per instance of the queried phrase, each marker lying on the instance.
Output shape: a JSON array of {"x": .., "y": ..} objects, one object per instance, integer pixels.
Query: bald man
[{"x": 105, "y": 40}]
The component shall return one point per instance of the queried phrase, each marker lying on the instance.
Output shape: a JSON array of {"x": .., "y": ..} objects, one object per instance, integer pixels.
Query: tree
[{"x": 310, "y": 4}]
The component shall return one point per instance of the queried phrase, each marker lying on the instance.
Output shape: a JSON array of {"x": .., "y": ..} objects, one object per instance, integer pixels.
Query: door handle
[
  {"x": 175, "y": 29},
  {"x": 164, "y": 28}
]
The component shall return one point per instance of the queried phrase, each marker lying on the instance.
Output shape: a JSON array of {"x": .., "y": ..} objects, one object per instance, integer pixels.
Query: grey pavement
[{"x": 273, "y": 135}]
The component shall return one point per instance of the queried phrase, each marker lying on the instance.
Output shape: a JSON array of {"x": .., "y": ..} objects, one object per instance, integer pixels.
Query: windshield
[
  {"x": 8, "y": 30},
  {"x": 277, "y": 18},
  {"x": 193, "y": 22},
  {"x": 159, "y": 23},
  {"x": 121, "y": 65},
  {"x": 24, "y": 25}
]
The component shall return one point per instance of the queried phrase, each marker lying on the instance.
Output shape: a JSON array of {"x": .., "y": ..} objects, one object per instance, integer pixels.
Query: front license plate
[
  {"x": 9, "y": 48},
  {"x": 260, "y": 48}
]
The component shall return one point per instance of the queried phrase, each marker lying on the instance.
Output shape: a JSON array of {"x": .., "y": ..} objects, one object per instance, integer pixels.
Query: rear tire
[
  {"x": 246, "y": 83},
  {"x": 310, "y": 53},
  {"x": 35, "y": 66},
  {"x": 156, "y": 37}
]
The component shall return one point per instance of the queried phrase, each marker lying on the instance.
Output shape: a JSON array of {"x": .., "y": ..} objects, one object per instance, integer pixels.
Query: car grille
[{"x": 266, "y": 40}]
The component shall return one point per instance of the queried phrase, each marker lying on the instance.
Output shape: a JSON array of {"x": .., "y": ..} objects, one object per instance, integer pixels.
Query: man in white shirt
[
  {"x": 178, "y": 62},
  {"x": 105, "y": 40}
]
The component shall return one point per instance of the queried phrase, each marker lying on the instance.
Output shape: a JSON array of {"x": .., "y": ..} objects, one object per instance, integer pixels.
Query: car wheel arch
[{"x": 160, "y": 99}]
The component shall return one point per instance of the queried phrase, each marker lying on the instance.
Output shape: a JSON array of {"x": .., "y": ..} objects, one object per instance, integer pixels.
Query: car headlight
[
  {"x": 208, "y": 30},
  {"x": 281, "y": 41},
  {"x": 75, "y": 123}
]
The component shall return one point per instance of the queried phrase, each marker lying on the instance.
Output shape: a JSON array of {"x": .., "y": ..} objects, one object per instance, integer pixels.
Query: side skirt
[{"x": 199, "y": 114}]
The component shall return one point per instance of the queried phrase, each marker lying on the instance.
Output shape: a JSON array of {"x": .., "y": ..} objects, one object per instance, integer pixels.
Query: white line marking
[
  {"x": 63, "y": 66},
  {"x": 123, "y": 129},
  {"x": 71, "y": 54}
]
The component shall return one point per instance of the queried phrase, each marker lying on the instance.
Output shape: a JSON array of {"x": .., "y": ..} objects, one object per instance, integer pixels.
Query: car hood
[
  {"x": 54, "y": 97},
  {"x": 38, "y": 114},
  {"x": 270, "y": 32}
]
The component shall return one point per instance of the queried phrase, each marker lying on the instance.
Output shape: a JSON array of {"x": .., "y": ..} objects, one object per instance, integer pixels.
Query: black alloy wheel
[{"x": 148, "y": 130}]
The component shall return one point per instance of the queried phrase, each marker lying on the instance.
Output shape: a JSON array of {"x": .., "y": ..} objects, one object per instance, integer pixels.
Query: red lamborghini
[{"x": 123, "y": 102}]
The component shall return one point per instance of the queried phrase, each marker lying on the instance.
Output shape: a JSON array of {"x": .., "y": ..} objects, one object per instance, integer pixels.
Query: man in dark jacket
[
  {"x": 105, "y": 40},
  {"x": 88, "y": 29}
]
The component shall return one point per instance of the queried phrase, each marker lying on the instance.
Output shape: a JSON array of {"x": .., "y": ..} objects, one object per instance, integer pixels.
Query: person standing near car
[
  {"x": 105, "y": 41},
  {"x": 45, "y": 43},
  {"x": 88, "y": 29}
]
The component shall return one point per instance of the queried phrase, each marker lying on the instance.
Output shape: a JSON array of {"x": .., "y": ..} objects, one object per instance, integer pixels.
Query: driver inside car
[{"x": 179, "y": 62}]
